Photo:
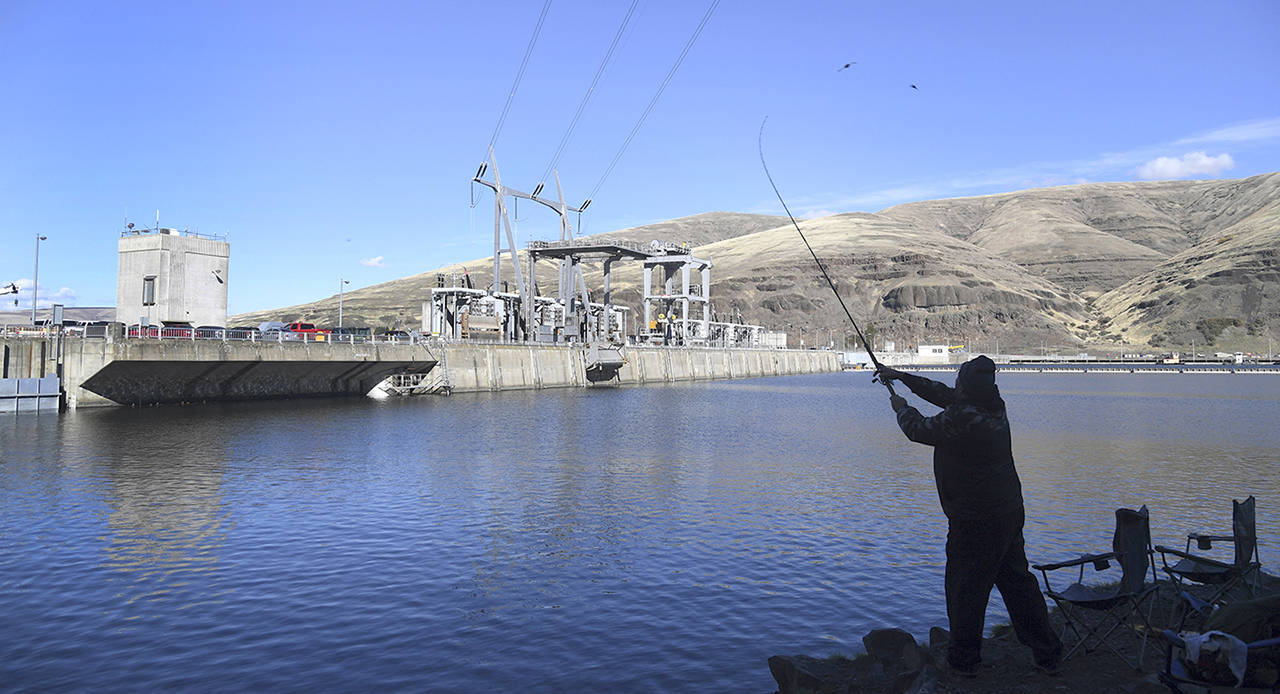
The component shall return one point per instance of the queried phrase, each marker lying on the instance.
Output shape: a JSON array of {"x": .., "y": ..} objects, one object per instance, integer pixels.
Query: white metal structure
[{"x": 666, "y": 312}]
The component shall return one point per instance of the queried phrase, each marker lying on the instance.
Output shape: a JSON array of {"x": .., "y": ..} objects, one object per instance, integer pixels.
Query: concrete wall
[
  {"x": 187, "y": 271},
  {"x": 141, "y": 372},
  {"x": 123, "y": 371},
  {"x": 480, "y": 367}
]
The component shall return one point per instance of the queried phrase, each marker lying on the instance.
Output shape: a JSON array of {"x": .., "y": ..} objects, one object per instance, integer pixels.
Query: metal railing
[{"x": 155, "y": 332}]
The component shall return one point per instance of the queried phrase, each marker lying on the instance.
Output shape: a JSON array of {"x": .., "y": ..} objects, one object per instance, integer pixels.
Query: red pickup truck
[{"x": 308, "y": 330}]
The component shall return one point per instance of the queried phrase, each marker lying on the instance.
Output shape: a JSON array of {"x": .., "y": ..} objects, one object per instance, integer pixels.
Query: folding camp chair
[
  {"x": 1221, "y": 577},
  {"x": 1118, "y": 604}
]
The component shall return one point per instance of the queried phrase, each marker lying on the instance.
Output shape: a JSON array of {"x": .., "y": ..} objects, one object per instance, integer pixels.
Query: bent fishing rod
[{"x": 865, "y": 344}]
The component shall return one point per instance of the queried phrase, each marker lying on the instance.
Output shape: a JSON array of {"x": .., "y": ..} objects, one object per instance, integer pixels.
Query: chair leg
[
  {"x": 1090, "y": 636},
  {"x": 1177, "y": 611},
  {"x": 1146, "y": 622},
  {"x": 1069, "y": 621}
]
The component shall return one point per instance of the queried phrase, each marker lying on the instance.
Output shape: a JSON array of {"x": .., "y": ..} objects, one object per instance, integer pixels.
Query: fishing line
[{"x": 865, "y": 344}]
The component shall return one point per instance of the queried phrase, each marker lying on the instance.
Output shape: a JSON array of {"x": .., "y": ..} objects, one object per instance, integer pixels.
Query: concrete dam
[{"x": 140, "y": 371}]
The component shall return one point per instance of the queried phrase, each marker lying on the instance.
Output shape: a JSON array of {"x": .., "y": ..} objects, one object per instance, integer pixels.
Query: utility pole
[
  {"x": 341, "y": 282},
  {"x": 35, "y": 278}
]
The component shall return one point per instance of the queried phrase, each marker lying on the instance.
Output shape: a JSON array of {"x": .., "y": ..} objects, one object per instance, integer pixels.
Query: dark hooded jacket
[{"x": 972, "y": 451}]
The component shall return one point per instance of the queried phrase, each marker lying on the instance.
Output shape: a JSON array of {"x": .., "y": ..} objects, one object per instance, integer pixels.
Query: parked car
[
  {"x": 281, "y": 335},
  {"x": 350, "y": 334},
  {"x": 309, "y": 331}
]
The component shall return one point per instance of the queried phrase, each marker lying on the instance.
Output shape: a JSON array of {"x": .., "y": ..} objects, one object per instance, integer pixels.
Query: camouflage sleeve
[
  {"x": 932, "y": 391},
  {"x": 930, "y": 431}
]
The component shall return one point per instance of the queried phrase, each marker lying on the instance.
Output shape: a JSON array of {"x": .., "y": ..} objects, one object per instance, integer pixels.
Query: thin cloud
[
  {"x": 65, "y": 295},
  {"x": 1147, "y": 162},
  {"x": 1186, "y": 166},
  {"x": 1254, "y": 131},
  {"x": 45, "y": 298},
  {"x": 375, "y": 261}
]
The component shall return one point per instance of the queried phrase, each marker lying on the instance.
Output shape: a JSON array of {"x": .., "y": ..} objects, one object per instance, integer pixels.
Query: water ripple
[{"x": 637, "y": 539}]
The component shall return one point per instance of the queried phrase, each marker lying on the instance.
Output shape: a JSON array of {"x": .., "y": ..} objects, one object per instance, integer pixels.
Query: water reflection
[
  {"x": 556, "y": 540},
  {"x": 166, "y": 521}
]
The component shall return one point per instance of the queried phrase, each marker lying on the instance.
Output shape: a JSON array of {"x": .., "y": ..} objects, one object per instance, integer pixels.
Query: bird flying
[
  {"x": 915, "y": 87},
  {"x": 846, "y": 66}
]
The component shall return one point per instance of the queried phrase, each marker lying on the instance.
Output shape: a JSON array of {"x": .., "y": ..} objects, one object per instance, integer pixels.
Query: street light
[
  {"x": 35, "y": 279},
  {"x": 341, "y": 282}
]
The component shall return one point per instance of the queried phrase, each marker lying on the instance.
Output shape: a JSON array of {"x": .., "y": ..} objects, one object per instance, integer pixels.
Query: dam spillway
[{"x": 142, "y": 371}]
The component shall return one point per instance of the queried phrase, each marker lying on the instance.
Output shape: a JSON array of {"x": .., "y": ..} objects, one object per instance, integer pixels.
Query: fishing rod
[{"x": 863, "y": 338}]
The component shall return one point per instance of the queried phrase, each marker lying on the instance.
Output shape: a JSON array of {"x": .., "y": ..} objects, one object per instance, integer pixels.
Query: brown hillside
[{"x": 1102, "y": 264}]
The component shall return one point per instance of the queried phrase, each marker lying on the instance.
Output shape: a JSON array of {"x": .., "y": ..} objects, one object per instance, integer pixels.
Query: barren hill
[{"x": 1104, "y": 264}]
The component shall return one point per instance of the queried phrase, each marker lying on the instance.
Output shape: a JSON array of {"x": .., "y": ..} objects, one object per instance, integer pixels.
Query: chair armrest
[
  {"x": 1172, "y": 638},
  {"x": 1084, "y": 559},
  {"x": 1206, "y": 540},
  {"x": 1187, "y": 555},
  {"x": 1266, "y": 643}
]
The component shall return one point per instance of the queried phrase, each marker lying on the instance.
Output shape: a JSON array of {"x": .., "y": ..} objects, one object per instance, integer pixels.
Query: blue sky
[{"x": 336, "y": 140}]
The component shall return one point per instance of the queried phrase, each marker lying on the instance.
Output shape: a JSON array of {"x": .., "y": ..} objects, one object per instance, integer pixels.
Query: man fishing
[
  {"x": 980, "y": 493},
  {"x": 982, "y": 499}
]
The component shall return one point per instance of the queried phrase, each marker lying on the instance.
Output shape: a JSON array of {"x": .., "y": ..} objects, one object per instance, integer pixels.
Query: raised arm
[
  {"x": 935, "y": 393},
  {"x": 930, "y": 431}
]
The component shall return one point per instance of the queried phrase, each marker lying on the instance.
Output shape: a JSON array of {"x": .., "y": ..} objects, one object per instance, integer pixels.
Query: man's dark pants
[{"x": 983, "y": 553}]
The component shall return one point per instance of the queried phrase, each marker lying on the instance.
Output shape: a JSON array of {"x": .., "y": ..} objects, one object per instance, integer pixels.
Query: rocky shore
[{"x": 896, "y": 662}]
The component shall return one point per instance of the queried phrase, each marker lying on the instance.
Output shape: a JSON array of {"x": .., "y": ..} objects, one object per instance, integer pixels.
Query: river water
[{"x": 666, "y": 538}]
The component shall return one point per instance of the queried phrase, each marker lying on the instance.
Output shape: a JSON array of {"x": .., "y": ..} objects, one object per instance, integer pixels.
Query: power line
[
  {"x": 519, "y": 76},
  {"x": 652, "y": 102},
  {"x": 582, "y": 106}
]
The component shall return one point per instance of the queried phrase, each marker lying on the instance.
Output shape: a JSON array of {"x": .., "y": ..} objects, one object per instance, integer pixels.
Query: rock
[
  {"x": 916, "y": 657},
  {"x": 903, "y": 683},
  {"x": 1147, "y": 685},
  {"x": 925, "y": 682},
  {"x": 939, "y": 637},
  {"x": 887, "y": 645},
  {"x": 801, "y": 673}
]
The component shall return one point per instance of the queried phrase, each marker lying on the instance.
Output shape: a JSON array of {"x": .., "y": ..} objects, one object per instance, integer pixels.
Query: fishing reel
[{"x": 878, "y": 377}]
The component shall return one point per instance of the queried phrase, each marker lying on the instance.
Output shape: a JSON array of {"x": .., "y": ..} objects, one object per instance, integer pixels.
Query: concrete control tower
[{"x": 172, "y": 276}]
